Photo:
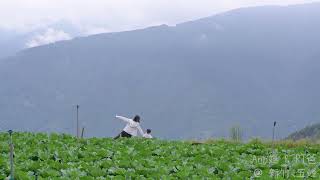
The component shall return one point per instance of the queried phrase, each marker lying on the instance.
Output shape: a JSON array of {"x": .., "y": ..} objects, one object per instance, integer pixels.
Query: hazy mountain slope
[
  {"x": 309, "y": 132},
  {"x": 10, "y": 43},
  {"x": 249, "y": 67}
]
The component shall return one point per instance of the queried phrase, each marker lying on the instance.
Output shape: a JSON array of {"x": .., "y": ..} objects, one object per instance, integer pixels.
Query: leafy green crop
[{"x": 57, "y": 156}]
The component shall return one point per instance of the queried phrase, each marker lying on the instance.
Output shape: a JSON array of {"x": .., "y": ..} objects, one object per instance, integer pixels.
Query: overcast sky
[
  {"x": 114, "y": 15},
  {"x": 95, "y": 16}
]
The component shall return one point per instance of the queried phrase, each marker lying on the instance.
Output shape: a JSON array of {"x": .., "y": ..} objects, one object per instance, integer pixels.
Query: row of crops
[{"x": 42, "y": 156}]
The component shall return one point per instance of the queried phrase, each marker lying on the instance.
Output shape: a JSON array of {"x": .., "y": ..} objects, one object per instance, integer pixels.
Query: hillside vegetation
[{"x": 64, "y": 157}]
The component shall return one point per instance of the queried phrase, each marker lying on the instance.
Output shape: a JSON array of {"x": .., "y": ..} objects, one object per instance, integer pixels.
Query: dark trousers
[{"x": 123, "y": 134}]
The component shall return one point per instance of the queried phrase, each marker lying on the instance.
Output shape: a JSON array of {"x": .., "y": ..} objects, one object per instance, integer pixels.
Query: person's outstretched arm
[
  {"x": 123, "y": 119},
  {"x": 140, "y": 130}
]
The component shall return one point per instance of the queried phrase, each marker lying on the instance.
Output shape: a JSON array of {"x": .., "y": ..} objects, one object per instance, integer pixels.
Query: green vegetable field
[{"x": 56, "y": 156}]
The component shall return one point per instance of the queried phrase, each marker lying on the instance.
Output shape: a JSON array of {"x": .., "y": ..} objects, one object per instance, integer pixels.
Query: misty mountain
[
  {"x": 246, "y": 67},
  {"x": 310, "y": 132},
  {"x": 12, "y": 41}
]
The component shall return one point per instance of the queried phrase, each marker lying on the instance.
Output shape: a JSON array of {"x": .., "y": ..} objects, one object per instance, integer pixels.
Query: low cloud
[
  {"x": 49, "y": 36},
  {"x": 96, "y": 30}
]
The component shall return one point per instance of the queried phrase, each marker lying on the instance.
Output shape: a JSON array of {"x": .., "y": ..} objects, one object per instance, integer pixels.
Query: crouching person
[{"x": 148, "y": 134}]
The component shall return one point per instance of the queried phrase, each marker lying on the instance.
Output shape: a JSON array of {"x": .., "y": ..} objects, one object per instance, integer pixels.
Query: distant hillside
[
  {"x": 309, "y": 132},
  {"x": 250, "y": 66}
]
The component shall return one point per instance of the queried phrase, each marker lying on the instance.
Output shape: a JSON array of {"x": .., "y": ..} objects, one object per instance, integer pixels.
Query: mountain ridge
[{"x": 193, "y": 78}]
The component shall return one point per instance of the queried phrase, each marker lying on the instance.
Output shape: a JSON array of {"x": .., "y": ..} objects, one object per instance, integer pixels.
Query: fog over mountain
[
  {"x": 15, "y": 40},
  {"x": 250, "y": 66},
  {"x": 10, "y": 43}
]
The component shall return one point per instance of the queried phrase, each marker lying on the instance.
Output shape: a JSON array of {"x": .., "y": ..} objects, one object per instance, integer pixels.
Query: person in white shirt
[
  {"x": 148, "y": 134},
  {"x": 132, "y": 127}
]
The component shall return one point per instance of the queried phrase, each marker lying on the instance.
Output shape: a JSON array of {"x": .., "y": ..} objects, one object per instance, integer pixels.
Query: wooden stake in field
[
  {"x": 11, "y": 156},
  {"x": 77, "y": 121},
  {"x": 273, "y": 133},
  {"x": 82, "y": 132}
]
